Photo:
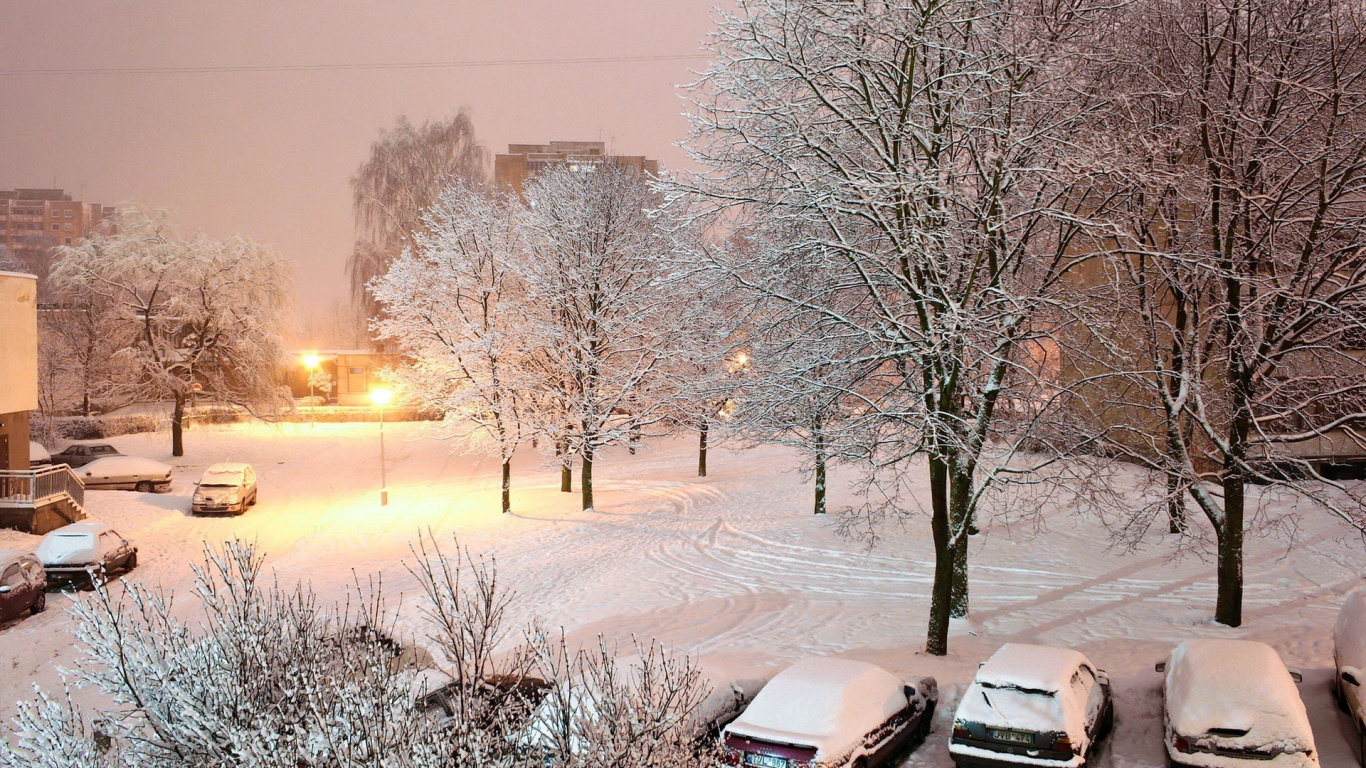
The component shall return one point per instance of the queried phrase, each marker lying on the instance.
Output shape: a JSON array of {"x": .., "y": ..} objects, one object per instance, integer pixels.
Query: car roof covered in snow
[
  {"x": 227, "y": 467},
  {"x": 1349, "y": 634},
  {"x": 36, "y": 451},
  {"x": 1234, "y": 686},
  {"x": 126, "y": 463},
  {"x": 1031, "y": 667},
  {"x": 95, "y": 527},
  {"x": 8, "y": 556},
  {"x": 825, "y": 703}
]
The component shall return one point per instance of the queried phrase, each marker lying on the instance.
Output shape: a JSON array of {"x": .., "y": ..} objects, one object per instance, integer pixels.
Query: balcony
[{"x": 41, "y": 499}]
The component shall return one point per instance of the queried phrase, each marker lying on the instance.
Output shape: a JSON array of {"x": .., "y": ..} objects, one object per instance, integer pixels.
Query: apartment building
[
  {"x": 524, "y": 162},
  {"x": 35, "y": 221}
]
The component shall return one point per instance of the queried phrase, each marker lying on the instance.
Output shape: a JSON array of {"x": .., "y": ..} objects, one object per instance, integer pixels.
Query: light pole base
[{"x": 384, "y": 497}]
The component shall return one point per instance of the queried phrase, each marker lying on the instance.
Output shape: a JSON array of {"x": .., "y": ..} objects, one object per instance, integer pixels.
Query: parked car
[
  {"x": 80, "y": 454},
  {"x": 1032, "y": 705},
  {"x": 1231, "y": 703},
  {"x": 127, "y": 473},
  {"x": 22, "y": 584},
  {"x": 38, "y": 455},
  {"x": 226, "y": 487},
  {"x": 1349, "y": 658},
  {"x": 78, "y": 552},
  {"x": 831, "y": 711}
]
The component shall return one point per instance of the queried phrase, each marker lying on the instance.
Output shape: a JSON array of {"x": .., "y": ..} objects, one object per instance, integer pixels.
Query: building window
[
  {"x": 56, "y": 227},
  {"x": 357, "y": 369},
  {"x": 68, "y": 214},
  {"x": 68, "y": 241},
  {"x": 67, "y": 227},
  {"x": 56, "y": 214}
]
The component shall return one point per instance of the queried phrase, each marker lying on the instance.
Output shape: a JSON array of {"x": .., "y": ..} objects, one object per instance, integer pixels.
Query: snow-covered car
[
  {"x": 1233, "y": 704},
  {"x": 80, "y": 454},
  {"x": 38, "y": 455},
  {"x": 1349, "y": 658},
  {"x": 126, "y": 473},
  {"x": 831, "y": 711},
  {"x": 78, "y": 552},
  {"x": 225, "y": 487},
  {"x": 22, "y": 584},
  {"x": 1032, "y": 705}
]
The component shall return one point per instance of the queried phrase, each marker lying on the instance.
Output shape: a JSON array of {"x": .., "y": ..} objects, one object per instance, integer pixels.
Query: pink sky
[{"x": 270, "y": 154}]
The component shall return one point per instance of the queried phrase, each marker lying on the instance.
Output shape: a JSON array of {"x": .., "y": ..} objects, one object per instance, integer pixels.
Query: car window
[
  {"x": 12, "y": 577},
  {"x": 251, "y": 476},
  {"x": 34, "y": 570},
  {"x": 104, "y": 449},
  {"x": 107, "y": 543}
]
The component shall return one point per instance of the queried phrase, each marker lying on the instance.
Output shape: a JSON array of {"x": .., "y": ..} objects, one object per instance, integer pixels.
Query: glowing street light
[{"x": 381, "y": 396}]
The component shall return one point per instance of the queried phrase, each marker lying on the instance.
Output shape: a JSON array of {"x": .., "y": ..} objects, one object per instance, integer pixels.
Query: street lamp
[
  {"x": 311, "y": 362},
  {"x": 381, "y": 396}
]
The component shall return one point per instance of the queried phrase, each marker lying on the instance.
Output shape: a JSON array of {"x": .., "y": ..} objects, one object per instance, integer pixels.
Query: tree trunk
[
  {"x": 85, "y": 403},
  {"x": 820, "y": 470},
  {"x": 587, "y": 481},
  {"x": 960, "y": 489},
  {"x": 178, "y": 426},
  {"x": 633, "y": 439},
  {"x": 1229, "y": 607},
  {"x": 702, "y": 451},
  {"x": 507, "y": 486},
  {"x": 566, "y": 470},
  {"x": 937, "y": 639},
  {"x": 1176, "y": 504}
]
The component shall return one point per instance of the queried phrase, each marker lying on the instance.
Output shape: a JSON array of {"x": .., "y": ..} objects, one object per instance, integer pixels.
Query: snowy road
[{"x": 732, "y": 567}]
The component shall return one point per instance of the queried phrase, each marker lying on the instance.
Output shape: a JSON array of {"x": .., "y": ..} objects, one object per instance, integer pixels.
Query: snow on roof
[
  {"x": 824, "y": 703},
  {"x": 227, "y": 467},
  {"x": 126, "y": 464},
  {"x": 1032, "y": 667},
  {"x": 1349, "y": 634},
  {"x": 84, "y": 526},
  {"x": 1238, "y": 685}
]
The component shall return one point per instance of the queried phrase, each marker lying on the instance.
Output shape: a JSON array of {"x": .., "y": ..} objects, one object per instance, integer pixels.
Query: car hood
[
  {"x": 217, "y": 493},
  {"x": 65, "y": 555}
]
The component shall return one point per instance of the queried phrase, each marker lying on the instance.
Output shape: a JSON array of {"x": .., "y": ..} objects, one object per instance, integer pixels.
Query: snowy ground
[{"x": 732, "y": 567}]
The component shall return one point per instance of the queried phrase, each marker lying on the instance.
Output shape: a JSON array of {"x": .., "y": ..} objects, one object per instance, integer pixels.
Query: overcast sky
[{"x": 270, "y": 154}]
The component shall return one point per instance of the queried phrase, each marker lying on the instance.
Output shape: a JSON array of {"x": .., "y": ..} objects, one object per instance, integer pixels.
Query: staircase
[{"x": 42, "y": 499}]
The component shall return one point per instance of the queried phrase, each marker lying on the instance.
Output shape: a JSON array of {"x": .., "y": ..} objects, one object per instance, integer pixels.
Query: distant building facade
[
  {"x": 35, "y": 221},
  {"x": 524, "y": 162},
  {"x": 354, "y": 373}
]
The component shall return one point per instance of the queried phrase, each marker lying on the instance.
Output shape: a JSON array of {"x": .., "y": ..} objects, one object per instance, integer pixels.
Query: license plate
[
  {"x": 765, "y": 761},
  {"x": 1013, "y": 737}
]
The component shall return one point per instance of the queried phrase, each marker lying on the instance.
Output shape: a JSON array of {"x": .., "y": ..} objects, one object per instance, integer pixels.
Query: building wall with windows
[
  {"x": 523, "y": 162},
  {"x": 35, "y": 221},
  {"x": 18, "y": 365},
  {"x": 354, "y": 374}
]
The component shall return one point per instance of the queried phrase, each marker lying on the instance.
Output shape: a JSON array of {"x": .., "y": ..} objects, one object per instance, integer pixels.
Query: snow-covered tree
[
  {"x": 1241, "y": 259},
  {"x": 407, "y": 170},
  {"x": 608, "y": 311},
  {"x": 908, "y": 174},
  {"x": 202, "y": 316},
  {"x": 455, "y": 306},
  {"x": 79, "y": 338}
]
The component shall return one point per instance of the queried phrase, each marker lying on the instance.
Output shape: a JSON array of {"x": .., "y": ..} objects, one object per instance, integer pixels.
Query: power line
[{"x": 347, "y": 67}]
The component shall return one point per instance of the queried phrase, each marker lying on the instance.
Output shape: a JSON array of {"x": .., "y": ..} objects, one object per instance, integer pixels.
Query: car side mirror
[
  {"x": 4, "y": 590},
  {"x": 1350, "y": 679},
  {"x": 981, "y": 664},
  {"x": 1161, "y": 666},
  {"x": 1296, "y": 675}
]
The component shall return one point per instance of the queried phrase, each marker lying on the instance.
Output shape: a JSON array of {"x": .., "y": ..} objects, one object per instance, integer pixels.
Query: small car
[
  {"x": 226, "y": 487},
  {"x": 126, "y": 473},
  {"x": 38, "y": 455},
  {"x": 80, "y": 454},
  {"x": 80, "y": 551},
  {"x": 22, "y": 584},
  {"x": 831, "y": 711},
  {"x": 1349, "y": 660},
  {"x": 1229, "y": 703},
  {"x": 1032, "y": 705}
]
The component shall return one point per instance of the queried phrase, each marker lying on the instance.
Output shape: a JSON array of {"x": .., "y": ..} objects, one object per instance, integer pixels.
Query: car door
[
  {"x": 76, "y": 456},
  {"x": 95, "y": 474},
  {"x": 13, "y": 592},
  {"x": 249, "y": 480},
  {"x": 1089, "y": 690},
  {"x": 107, "y": 550},
  {"x": 121, "y": 552}
]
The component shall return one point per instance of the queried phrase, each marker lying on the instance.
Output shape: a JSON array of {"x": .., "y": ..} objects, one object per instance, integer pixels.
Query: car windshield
[
  {"x": 61, "y": 543},
  {"x": 1018, "y": 689},
  {"x": 221, "y": 480}
]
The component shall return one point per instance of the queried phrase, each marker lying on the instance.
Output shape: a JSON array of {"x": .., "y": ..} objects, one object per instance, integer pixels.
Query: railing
[{"x": 31, "y": 487}]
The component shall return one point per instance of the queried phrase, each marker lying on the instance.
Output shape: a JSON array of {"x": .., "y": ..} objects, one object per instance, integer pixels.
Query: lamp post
[
  {"x": 311, "y": 362},
  {"x": 381, "y": 396}
]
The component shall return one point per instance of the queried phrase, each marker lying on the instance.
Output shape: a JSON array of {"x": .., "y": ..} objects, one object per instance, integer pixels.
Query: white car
[
  {"x": 1233, "y": 704},
  {"x": 38, "y": 456},
  {"x": 831, "y": 711},
  {"x": 126, "y": 473},
  {"x": 78, "y": 552},
  {"x": 1032, "y": 705},
  {"x": 1349, "y": 657},
  {"x": 225, "y": 487}
]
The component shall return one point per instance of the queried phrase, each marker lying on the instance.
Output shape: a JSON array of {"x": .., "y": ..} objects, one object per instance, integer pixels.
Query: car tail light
[
  {"x": 1180, "y": 744},
  {"x": 1061, "y": 743},
  {"x": 961, "y": 731}
]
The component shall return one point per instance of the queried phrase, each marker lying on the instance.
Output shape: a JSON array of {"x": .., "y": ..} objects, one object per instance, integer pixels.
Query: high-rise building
[
  {"x": 35, "y": 221},
  {"x": 524, "y": 162}
]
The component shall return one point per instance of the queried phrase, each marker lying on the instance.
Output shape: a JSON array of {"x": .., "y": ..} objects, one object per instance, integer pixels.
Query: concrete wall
[{"x": 18, "y": 364}]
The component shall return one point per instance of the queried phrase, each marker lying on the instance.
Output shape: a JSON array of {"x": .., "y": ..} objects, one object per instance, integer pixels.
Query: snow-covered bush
[
  {"x": 96, "y": 427},
  {"x": 267, "y": 675}
]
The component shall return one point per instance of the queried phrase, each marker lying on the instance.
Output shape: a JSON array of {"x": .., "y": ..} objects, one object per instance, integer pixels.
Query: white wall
[{"x": 18, "y": 342}]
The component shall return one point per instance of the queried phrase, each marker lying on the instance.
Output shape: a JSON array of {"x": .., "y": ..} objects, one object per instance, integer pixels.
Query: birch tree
[
  {"x": 920, "y": 152},
  {"x": 455, "y": 306},
  {"x": 203, "y": 316},
  {"x": 1243, "y": 255}
]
